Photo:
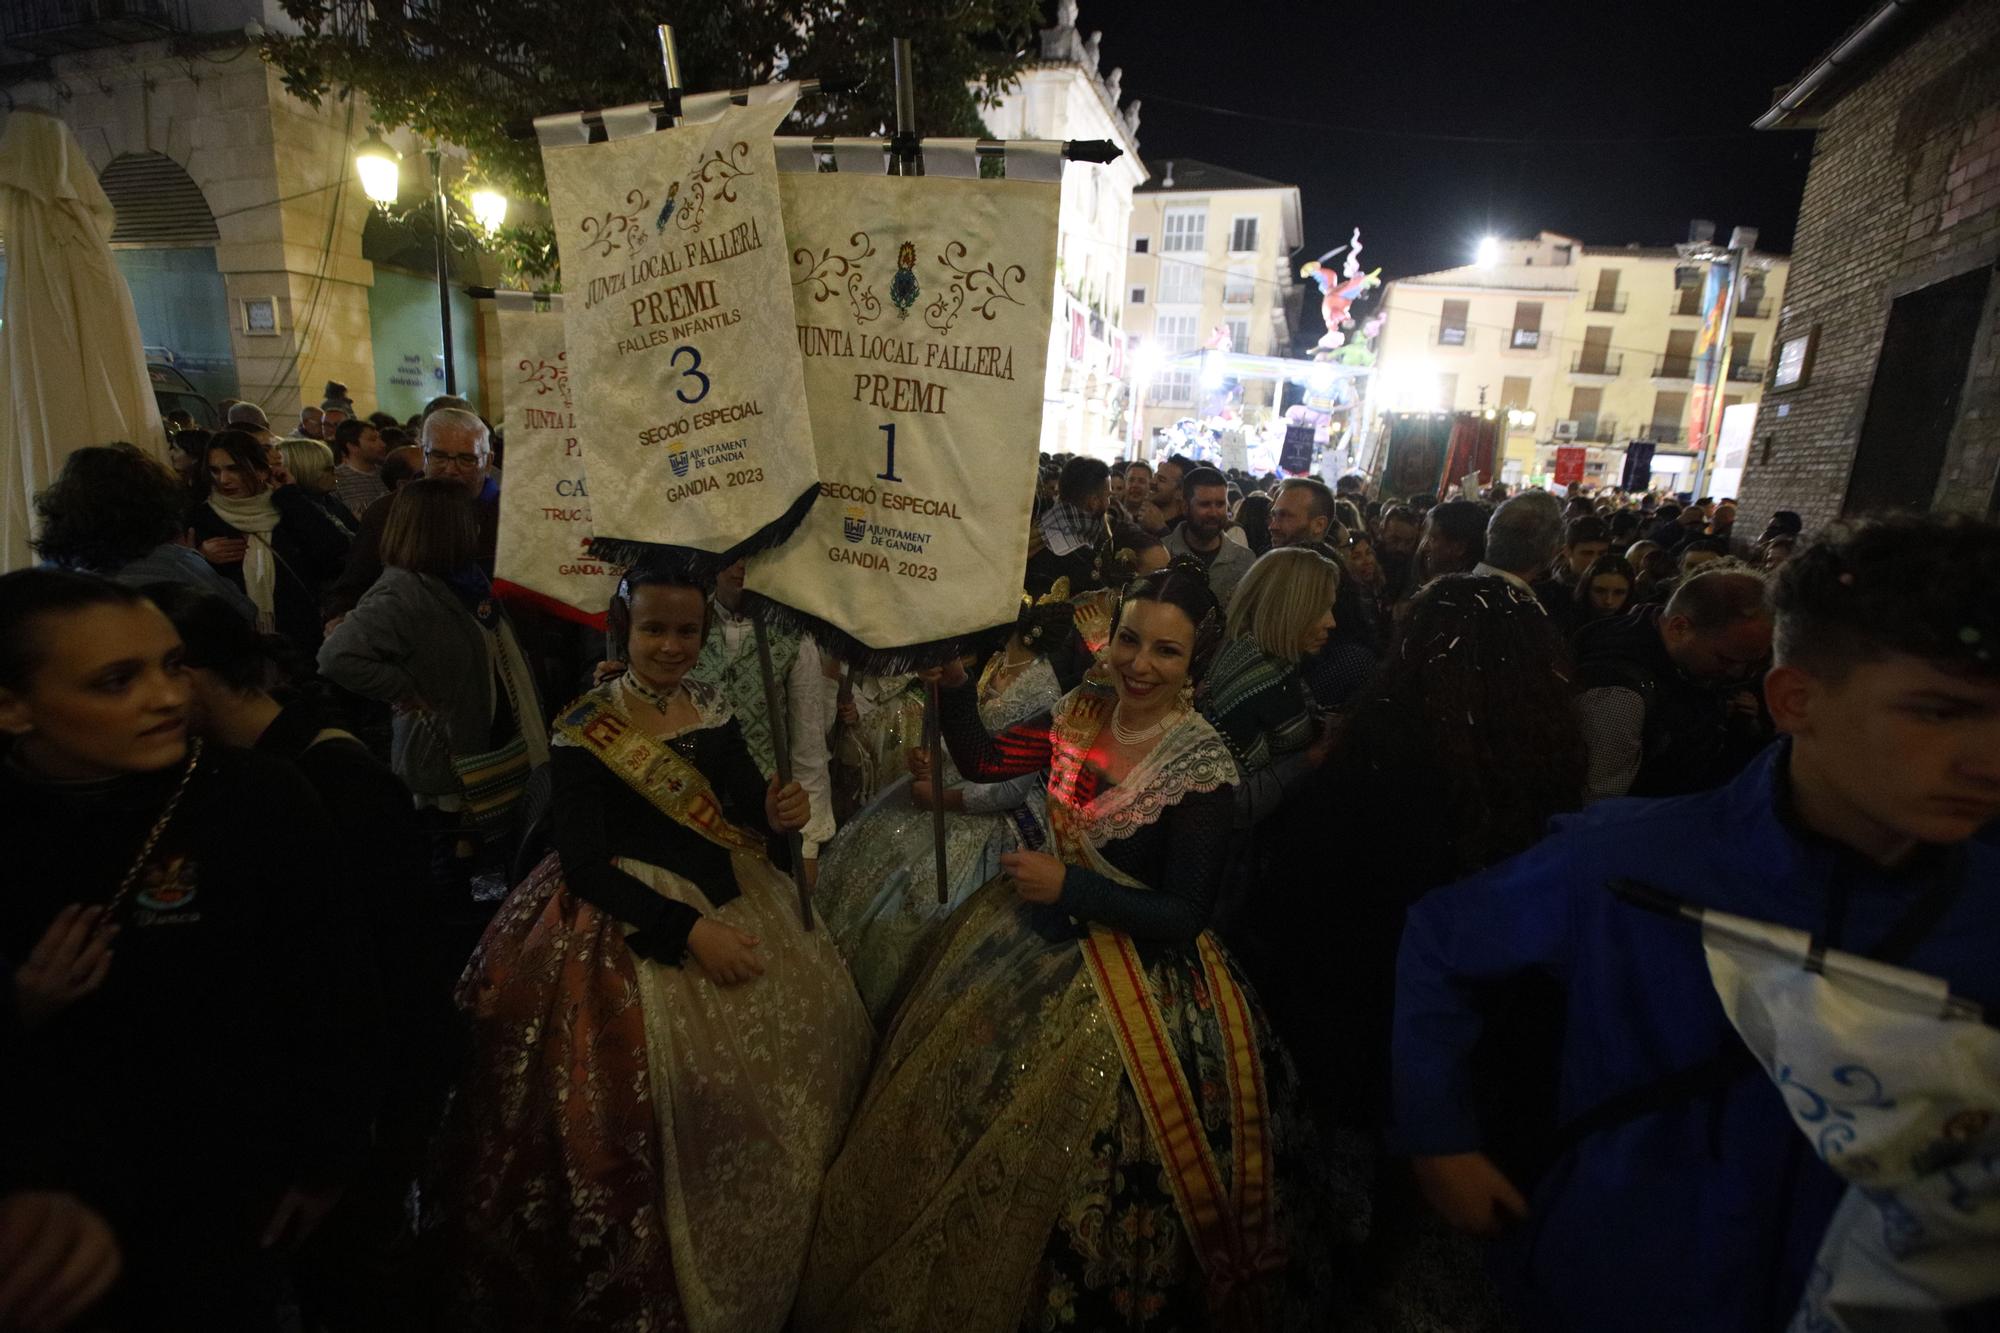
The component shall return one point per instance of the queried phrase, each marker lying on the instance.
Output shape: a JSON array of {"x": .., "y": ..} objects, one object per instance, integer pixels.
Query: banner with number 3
[
  {"x": 678, "y": 321},
  {"x": 923, "y": 307}
]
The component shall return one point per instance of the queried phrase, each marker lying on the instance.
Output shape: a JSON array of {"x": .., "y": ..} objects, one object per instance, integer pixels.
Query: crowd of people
[{"x": 380, "y": 955}]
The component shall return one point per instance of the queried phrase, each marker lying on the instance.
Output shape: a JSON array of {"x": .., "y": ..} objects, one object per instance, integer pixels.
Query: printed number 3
[{"x": 693, "y": 372}]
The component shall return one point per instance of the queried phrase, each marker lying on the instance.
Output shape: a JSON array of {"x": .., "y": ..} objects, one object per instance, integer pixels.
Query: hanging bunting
[
  {"x": 545, "y": 556},
  {"x": 679, "y": 328},
  {"x": 923, "y": 313}
]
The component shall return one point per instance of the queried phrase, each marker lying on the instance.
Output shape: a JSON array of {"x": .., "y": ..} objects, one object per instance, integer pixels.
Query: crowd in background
[{"x": 276, "y": 751}]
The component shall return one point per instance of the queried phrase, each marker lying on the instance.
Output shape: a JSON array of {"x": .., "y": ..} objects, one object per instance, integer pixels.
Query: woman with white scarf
[{"x": 266, "y": 535}]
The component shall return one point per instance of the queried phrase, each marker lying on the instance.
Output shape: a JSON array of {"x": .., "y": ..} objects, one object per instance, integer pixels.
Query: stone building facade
[{"x": 1884, "y": 390}]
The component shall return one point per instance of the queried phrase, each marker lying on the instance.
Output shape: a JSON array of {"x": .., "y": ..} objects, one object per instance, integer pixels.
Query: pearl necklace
[
  {"x": 1125, "y": 737},
  {"x": 648, "y": 694}
]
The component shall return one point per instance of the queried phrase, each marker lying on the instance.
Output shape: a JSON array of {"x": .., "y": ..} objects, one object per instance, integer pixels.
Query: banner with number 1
[
  {"x": 678, "y": 321},
  {"x": 923, "y": 307}
]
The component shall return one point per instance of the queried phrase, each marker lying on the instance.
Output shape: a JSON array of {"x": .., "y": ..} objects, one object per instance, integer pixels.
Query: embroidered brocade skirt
[
  {"x": 1000, "y": 1174},
  {"x": 877, "y": 889},
  {"x": 634, "y": 1147}
]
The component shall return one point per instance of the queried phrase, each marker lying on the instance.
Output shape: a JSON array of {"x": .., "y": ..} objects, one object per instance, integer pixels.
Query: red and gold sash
[
  {"x": 1233, "y": 1227},
  {"x": 653, "y": 769}
]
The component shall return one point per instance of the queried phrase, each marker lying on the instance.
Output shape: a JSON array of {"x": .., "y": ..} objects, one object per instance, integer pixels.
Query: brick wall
[{"x": 1904, "y": 190}]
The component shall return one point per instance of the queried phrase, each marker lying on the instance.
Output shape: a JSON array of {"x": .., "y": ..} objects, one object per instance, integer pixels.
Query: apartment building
[
  {"x": 1575, "y": 344},
  {"x": 1210, "y": 250}
]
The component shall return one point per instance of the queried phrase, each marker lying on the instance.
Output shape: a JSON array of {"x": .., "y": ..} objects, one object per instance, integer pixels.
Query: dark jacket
[
  {"x": 1692, "y": 740},
  {"x": 364, "y": 557},
  {"x": 309, "y": 547},
  {"x": 599, "y": 816},
  {"x": 1704, "y": 1213},
  {"x": 223, "y": 1059}
]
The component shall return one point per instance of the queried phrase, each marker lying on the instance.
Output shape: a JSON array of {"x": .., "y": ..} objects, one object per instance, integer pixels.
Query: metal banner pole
[
  {"x": 781, "y": 746},
  {"x": 907, "y": 160}
]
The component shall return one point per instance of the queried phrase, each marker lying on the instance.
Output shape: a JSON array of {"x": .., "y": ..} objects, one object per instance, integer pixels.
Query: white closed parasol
[{"x": 72, "y": 368}]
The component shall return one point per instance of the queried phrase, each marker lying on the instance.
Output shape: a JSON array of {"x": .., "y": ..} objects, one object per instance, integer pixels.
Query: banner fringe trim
[
  {"x": 838, "y": 643},
  {"x": 705, "y": 564}
]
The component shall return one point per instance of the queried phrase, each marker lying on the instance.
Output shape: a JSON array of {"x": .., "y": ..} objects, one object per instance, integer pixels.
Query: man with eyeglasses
[{"x": 456, "y": 447}]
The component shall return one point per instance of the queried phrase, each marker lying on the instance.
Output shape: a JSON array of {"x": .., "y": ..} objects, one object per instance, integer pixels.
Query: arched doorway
[{"x": 164, "y": 243}]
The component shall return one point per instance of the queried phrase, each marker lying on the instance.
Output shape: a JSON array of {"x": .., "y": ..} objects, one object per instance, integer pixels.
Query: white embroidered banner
[
  {"x": 681, "y": 347},
  {"x": 545, "y": 526},
  {"x": 1897, "y": 1085},
  {"x": 923, "y": 321}
]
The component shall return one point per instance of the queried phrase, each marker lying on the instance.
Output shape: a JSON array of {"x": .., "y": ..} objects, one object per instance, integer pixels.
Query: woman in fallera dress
[
  {"x": 877, "y": 885},
  {"x": 1078, "y": 1120},
  {"x": 663, "y": 1059}
]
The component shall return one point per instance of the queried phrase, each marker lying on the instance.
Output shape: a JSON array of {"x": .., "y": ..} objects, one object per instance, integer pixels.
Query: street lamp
[
  {"x": 380, "y": 168},
  {"x": 489, "y": 208}
]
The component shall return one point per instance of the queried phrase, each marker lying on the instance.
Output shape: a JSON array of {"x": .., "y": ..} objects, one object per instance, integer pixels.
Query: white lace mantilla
[{"x": 1190, "y": 757}]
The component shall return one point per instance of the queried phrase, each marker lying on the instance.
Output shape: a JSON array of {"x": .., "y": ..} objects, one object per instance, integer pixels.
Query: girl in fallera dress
[
  {"x": 877, "y": 885},
  {"x": 663, "y": 1059},
  {"x": 1078, "y": 1120}
]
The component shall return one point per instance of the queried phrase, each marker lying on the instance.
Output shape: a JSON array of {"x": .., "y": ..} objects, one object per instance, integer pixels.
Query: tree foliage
[{"x": 474, "y": 73}]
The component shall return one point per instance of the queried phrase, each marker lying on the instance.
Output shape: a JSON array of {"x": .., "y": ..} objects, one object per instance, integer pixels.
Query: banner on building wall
[
  {"x": 924, "y": 307},
  {"x": 1570, "y": 460},
  {"x": 679, "y": 326},
  {"x": 545, "y": 555}
]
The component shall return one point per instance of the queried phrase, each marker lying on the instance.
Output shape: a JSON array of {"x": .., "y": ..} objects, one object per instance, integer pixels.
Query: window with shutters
[
  {"x": 1678, "y": 363},
  {"x": 1184, "y": 230},
  {"x": 1451, "y": 324},
  {"x": 1606, "y": 299},
  {"x": 1668, "y": 409},
  {"x": 1585, "y": 404},
  {"x": 1515, "y": 391},
  {"x": 1243, "y": 235},
  {"x": 1180, "y": 283},
  {"x": 1239, "y": 334},
  {"x": 1239, "y": 285},
  {"x": 1527, "y": 325}
]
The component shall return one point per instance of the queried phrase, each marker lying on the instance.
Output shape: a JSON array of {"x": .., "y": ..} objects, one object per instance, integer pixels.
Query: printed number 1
[
  {"x": 888, "y": 472},
  {"x": 693, "y": 372}
]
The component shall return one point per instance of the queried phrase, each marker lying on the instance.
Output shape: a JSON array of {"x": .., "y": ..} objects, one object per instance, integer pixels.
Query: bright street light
[
  {"x": 380, "y": 168},
  {"x": 489, "y": 208},
  {"x": 1489, "y": 252}
]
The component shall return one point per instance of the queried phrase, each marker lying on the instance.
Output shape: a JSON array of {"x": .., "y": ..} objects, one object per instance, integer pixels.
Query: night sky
[{"x": 1377, "y": 87}]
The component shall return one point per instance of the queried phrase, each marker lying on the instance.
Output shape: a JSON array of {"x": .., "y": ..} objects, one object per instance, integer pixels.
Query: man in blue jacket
[{"x": 1684, "y": 1199}]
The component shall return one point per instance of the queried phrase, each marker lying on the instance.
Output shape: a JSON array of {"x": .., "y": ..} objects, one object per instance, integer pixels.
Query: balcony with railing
[
  {"x": 1664, "y": 432},
  {"x": 1757, "y": 309},
  {"x": 1746, "y": 372},
  {"x": 1673, "y": 366},
  {"x": 1526, "y": 340},
  {"x": 1688, "y": 301},
  {"x": 54, "y": 27},
  {"x": 1590, "y": 361},
  {"x": 1451, "y": 335},
  {"x": 1607, "y": 303},
  {"x": 1590, "y": 428}
]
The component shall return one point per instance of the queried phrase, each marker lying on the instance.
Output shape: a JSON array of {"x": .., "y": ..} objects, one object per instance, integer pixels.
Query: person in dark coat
[
  {"x": 1666, "y": 694},
  {"x": 267, "y": 537},
  {"x": 1686, "y": 1197},
  {"x": 210, "y": 1096}
]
